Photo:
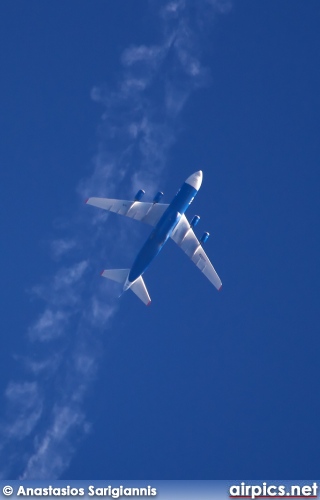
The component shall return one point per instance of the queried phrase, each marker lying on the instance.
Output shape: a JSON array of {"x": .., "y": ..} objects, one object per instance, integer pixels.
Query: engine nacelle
[
  {"x": 204, "y": 237},
  {"x": 158, "y": 197},
  {"x": 195, "y": 221},
  {"x": 139, "y": 195}
]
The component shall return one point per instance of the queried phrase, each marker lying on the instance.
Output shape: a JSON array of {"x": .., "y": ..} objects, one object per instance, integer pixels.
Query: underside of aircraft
[{"x": 168, "y": 221}]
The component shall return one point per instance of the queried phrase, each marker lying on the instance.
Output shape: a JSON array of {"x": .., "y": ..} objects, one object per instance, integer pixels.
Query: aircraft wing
[
  {"x": 150, "y": 213},
  {"x": 185, "y": 238}
]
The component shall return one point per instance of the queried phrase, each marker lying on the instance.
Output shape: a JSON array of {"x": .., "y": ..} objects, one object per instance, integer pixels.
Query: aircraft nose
[{"x": 195, "y": 180}]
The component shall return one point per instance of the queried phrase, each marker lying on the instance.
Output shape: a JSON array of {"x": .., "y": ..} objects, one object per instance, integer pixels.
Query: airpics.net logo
[{"x": 266, "y": 490}]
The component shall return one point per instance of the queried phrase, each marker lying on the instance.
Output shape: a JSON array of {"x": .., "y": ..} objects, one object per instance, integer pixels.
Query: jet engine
[
  {"x": 158, "y": 197},
  {"x": 195, "y": 221},
  {"x": 139, "y": 195},
  {"x": 204, "y": 237}
]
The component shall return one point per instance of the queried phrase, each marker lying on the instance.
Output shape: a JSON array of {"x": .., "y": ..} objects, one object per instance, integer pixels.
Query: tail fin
[{"x": 138, "y": 287}]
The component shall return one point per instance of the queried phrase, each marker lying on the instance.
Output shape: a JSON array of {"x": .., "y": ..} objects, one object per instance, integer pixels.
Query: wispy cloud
[
  {"x": 49, "y": 325},
  {"x": 55, "y": 448},
  {"x": 24, "y": 406},
  {"x": 139, "y": 124},
  {"x": 61, "y": 246}
]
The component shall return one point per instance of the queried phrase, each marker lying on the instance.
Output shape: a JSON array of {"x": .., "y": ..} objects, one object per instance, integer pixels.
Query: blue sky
[{"x": 103, "y": 98}]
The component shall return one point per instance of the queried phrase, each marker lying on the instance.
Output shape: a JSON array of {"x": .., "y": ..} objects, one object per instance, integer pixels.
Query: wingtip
[
  {"x": 219, "y": 288},
  {"x": 86, "y": 201},
  {"x": 149, "y": 303},
  {"x": 101, "y": 274}
]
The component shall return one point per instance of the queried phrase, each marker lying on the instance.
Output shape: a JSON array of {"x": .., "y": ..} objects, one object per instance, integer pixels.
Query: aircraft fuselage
[{"x": 164, "y": 227}]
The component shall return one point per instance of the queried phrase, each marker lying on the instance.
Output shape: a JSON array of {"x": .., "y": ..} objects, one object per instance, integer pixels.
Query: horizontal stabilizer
[
  {"x": 118, "y": 275},
  {"x": 139, "y": 288}
]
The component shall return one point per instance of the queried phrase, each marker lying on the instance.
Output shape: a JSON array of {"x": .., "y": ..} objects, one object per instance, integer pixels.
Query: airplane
[{"x": 167, "y": 221}]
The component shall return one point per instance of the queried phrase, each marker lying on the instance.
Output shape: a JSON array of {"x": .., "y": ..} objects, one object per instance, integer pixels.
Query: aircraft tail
[{"x": 138, "y": 287}]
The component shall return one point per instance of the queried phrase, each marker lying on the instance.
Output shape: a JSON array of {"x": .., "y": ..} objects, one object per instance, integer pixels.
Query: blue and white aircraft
[{"x": 168, "y": 221}]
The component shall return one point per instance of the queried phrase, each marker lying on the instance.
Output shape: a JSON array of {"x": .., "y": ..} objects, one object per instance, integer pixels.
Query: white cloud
[
  {"x": 222, "y": 6},
  {"x": 100, "y": 311},
  {"x": 49, "y": 325},
  {"x": 24, "y": 407},
  {"x": 142, "y": 53},
  {"x": 173, "y": 8},
  {"x": 67, "y": 277},
  {"x": 44, "y": 366},
  {"x": 61, "y": 246},
  {"x": 134, "y": 85},
  {"x": 54, "y": 450}
]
